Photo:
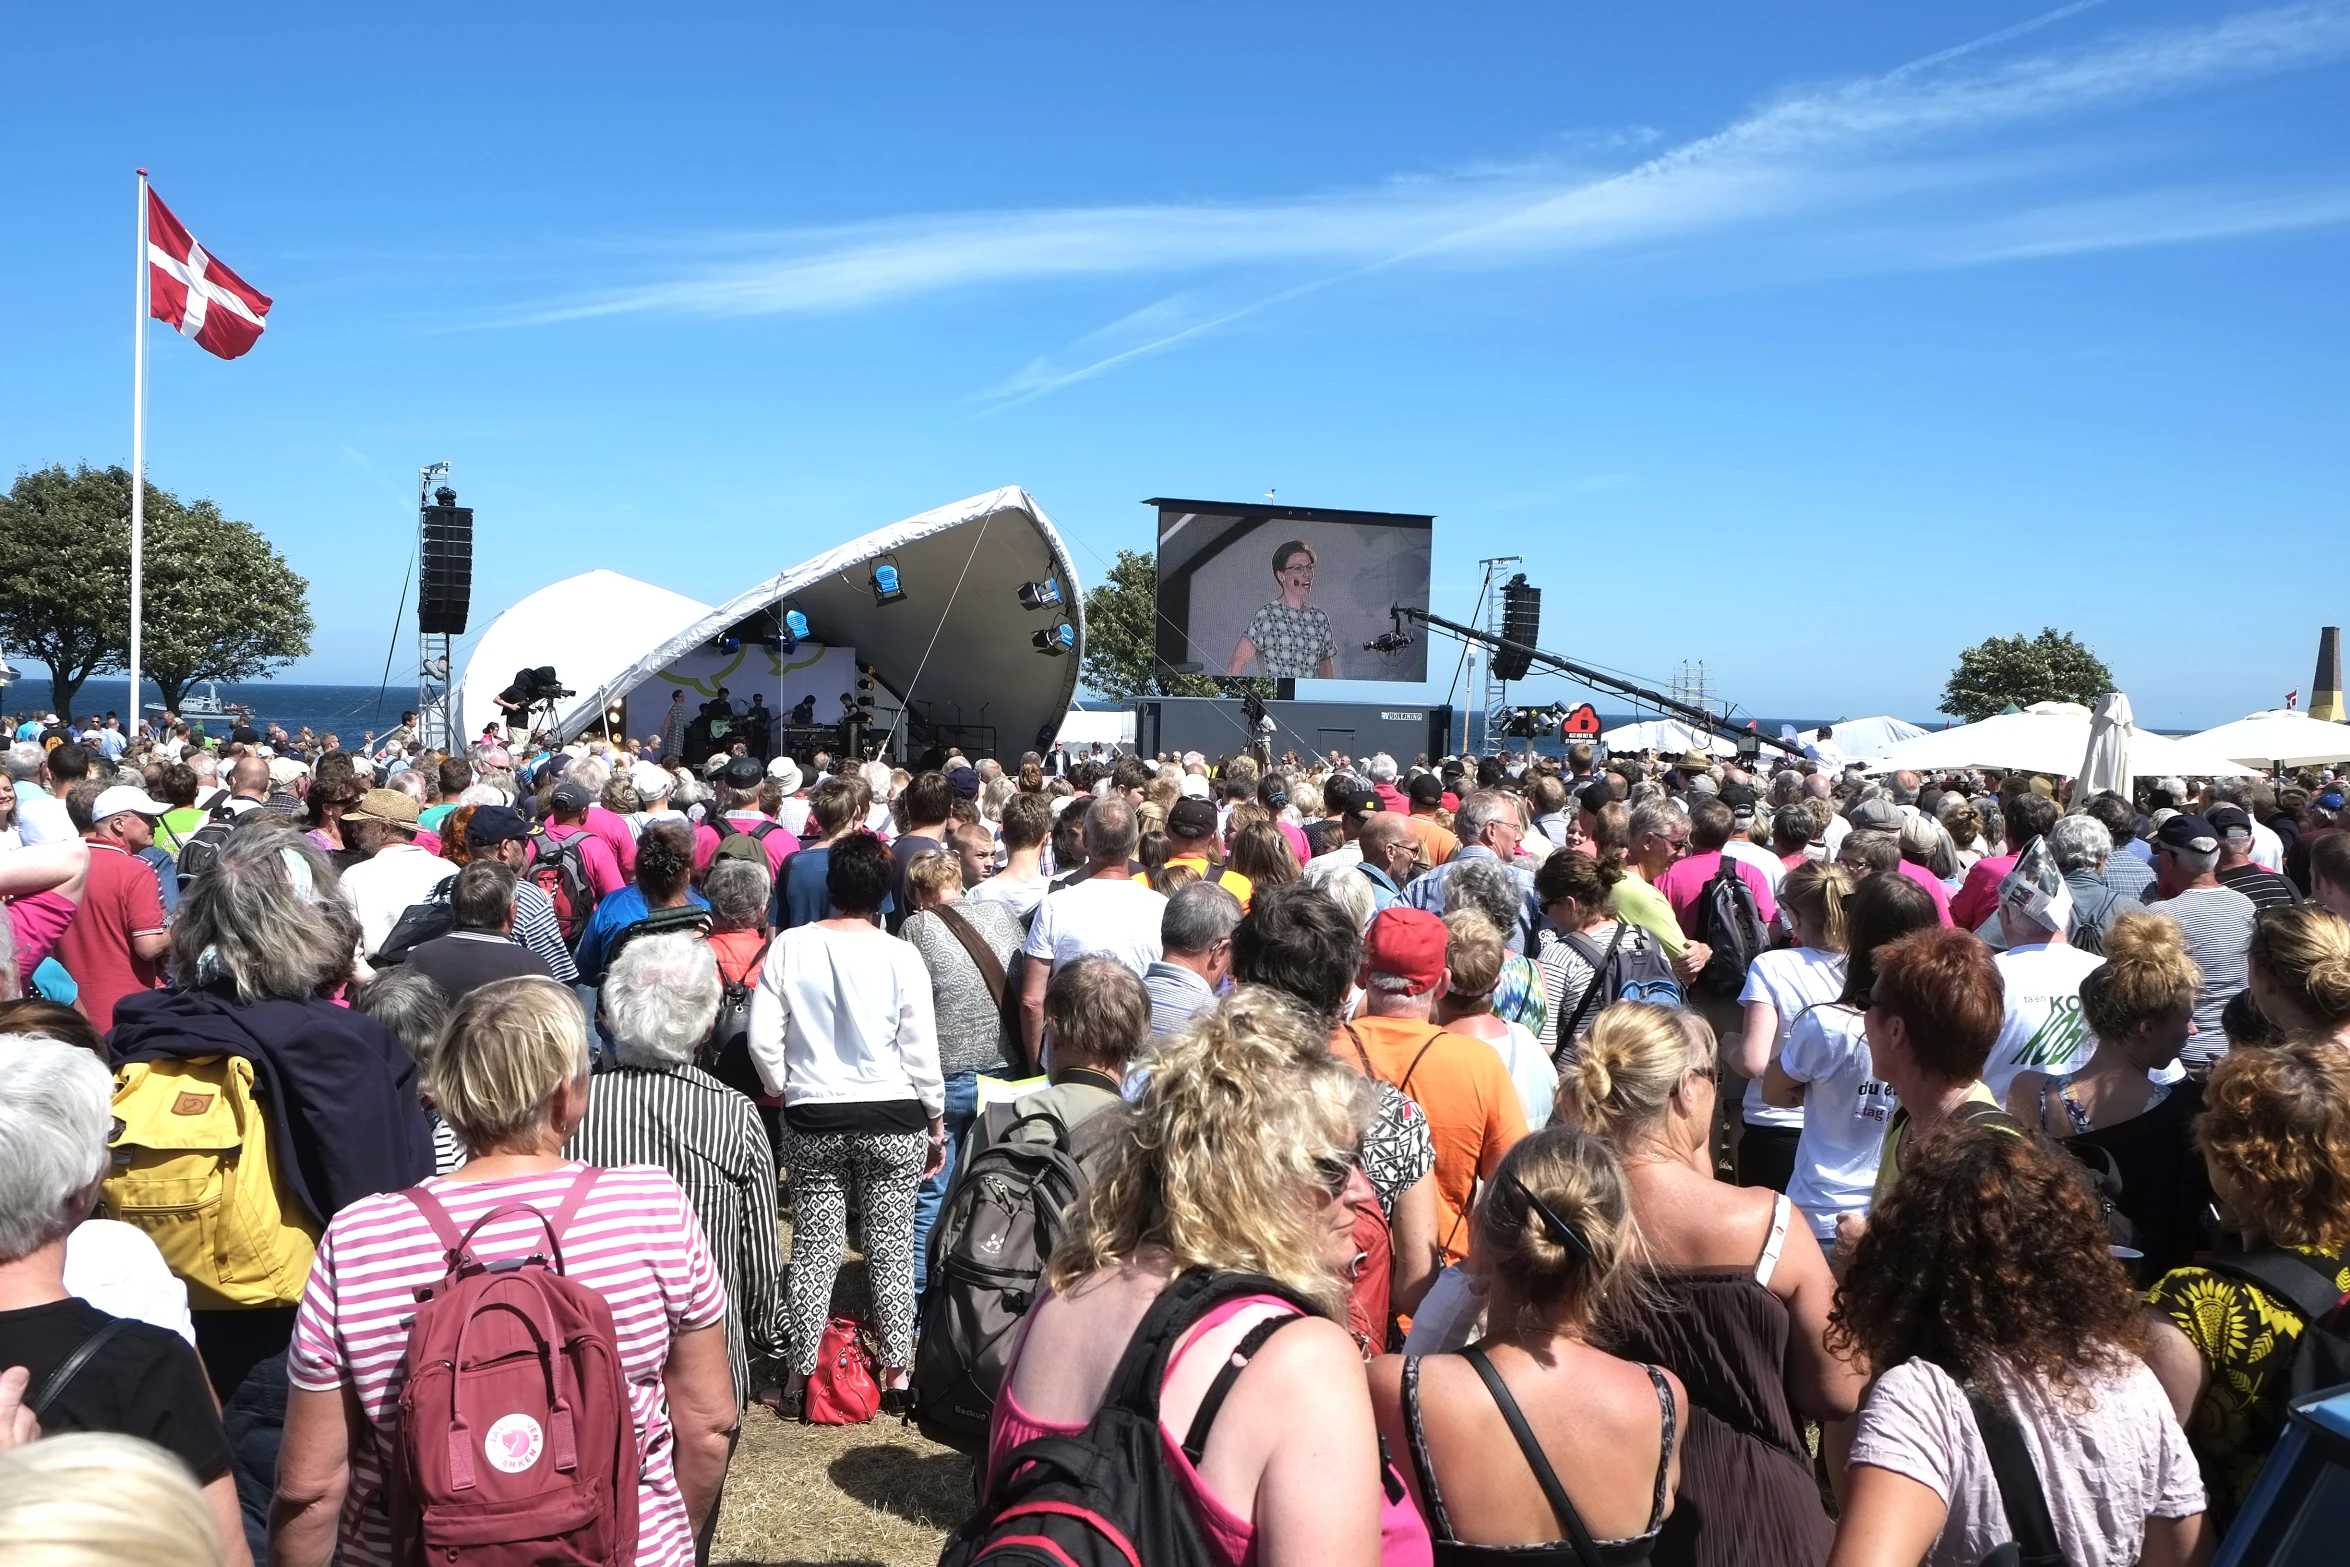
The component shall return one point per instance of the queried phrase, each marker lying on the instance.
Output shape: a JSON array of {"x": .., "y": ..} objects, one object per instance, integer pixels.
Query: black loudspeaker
[
  {"x": 1521, "y": 622},
  {"x": 446, "y": 591}
]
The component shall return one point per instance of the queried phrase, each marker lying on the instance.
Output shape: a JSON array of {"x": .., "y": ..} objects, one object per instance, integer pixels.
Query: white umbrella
[
  {"x": 2106, "y": 765},
  {"x": 2280, "y": 735},
  {"x": 1668, "y": 735},
  {"x": 2051, "y": 738}
]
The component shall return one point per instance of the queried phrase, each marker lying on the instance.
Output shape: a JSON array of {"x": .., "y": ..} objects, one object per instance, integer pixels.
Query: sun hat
[{"x": 384, "y": 805}]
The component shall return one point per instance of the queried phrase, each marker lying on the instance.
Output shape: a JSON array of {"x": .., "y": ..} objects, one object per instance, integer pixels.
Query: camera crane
[{"x": 1685, "y": 711}]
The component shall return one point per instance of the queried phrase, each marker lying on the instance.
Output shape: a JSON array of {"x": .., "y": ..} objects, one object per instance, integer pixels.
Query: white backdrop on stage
[{"x": 782, "y": 678}]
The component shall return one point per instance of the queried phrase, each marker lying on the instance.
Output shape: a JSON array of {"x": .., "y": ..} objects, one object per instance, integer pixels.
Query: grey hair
[
  {"x": 52, "y": 1140},
  {"x": 1381, "y": 768},
  {"x": 1658, "y": 816},
  {"x": 24, "y": 761},
  {"x": 591, "y": 772},
  {"x": 2195, "y": 864},
  {"x": 660, "y": 997},
  {"x": 1353, "y": 894},
  {"x": 484, "y": 794},
  {"x": 409, "y": 782},
  {"x": 412, "y": 1005},
  {"x": 738, "y": 891},
  {"x": 269, "y": 918},
  {"x": 1199, "y": 916},
  {"x": 1479, "y": 811},
  {"x": 1486, "y": 886},
  {"x": 1786, "y": 786},
  {"x": 1111, "y": 828},
  {"x": 2080, "y": 843}
]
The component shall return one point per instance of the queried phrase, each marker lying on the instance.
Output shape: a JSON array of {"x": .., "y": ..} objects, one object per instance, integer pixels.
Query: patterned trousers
[{"x": 885, "y": 1168}]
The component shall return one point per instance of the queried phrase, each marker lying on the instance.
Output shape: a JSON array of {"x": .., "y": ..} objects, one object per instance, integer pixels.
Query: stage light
[
  {"x": 886, "y": 588},
  {"x": 730, "y": 644},
  {"x": 1042, "y": 594},
  {"x": 795, "y": 625},
  {"x": 1055, "y": 640}
]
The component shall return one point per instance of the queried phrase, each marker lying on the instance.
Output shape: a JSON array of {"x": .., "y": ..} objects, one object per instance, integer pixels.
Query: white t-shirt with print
[
  {"x": 2044, "y": 1030},
  {"x": 1790, "y": 979},
  {"x": 1109, "y": 915},
  {"x": 1846, "y": 1107}
]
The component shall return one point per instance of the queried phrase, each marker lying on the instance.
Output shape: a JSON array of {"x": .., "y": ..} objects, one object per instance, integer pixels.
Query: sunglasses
[{"x": 1333, "y": 1171}]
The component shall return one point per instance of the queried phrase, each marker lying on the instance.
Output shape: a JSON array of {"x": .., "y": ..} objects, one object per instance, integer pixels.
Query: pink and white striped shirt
[{"x": 636, "y": 1242}]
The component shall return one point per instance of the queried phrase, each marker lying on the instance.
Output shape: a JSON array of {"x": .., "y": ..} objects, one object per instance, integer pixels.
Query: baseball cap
[
  {"x": 2191, "y": 833},
  {"x": 571, "y": 795},
  {"x": 384, "y": 805},
  {"x": 1362, "y": 803},
  {"x": 2331, "y": 800},
  {"x": 1703, "y": 783},
  {"x": 1741, "y": 800},
  {"x": 1407, "y": 944},
  {"x": 1427, "y": 789},
  {"x": 495, "y": 824},
  {"x": 1881, "y": 815},
  {"x": 2230, "y": 820},
  {"x": 123, "y": 797},
  {"x": 244, "y": 734},
  {"x": 963, "y": 783},
  {"x": 1189, "y": 818},
  {"x": 742, "y": 772}
]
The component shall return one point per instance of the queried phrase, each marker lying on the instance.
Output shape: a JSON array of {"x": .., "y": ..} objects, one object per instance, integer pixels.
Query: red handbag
[{"x": 841, "y": 1390}]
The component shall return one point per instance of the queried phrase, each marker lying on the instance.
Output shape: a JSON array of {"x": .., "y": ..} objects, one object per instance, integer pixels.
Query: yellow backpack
[{"x": 193, "y": 1167}]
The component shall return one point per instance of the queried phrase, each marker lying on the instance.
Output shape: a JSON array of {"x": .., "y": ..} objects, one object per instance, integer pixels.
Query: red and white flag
[
  {"x": 192, "y": 291},
  {"x": 2292, "y": 699}
]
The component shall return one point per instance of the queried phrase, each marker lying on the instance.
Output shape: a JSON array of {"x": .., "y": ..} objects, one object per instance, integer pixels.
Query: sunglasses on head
[{"x": 1332, "y": 1171}]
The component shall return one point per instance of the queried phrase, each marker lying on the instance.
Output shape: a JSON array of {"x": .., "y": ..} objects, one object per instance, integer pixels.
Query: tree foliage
[
  {"x": 2051, "y": 667},
  {"x": 220, "y": 604},
  {"x": 1121, "y": 639}
]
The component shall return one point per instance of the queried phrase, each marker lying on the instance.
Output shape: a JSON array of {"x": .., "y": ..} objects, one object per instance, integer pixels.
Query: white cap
[{"x": 121, "y": 798}]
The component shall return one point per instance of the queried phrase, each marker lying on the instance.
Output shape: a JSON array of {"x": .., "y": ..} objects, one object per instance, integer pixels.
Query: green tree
[
  {"x": 65, "y": 573},
  {"x": 221, "y": 604},
  {"x": 1121, "y": 639},
  {"x": 1997, "y": 671}
]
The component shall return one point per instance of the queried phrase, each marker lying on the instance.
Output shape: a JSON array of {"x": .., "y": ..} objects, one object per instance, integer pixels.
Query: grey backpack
[{"x": 1010, "y": 1205}]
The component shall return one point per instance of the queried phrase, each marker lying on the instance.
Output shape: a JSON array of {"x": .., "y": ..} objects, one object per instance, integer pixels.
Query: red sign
[{"x": 1582, "y": 721}]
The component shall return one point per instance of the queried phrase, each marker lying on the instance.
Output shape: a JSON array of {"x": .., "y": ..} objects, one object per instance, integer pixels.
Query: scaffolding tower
[{"x": 1495, "y": 692}]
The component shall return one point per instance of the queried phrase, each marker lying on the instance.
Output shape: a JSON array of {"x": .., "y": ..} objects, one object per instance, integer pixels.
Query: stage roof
[{"x": 956, "y": 647}]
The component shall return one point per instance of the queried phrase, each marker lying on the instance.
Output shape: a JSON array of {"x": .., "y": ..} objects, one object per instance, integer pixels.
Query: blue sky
[{"x": 1814, "y": 342}]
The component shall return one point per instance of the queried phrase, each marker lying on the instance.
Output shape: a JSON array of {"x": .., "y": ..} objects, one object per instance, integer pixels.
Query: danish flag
[{"x": 192, "y": 291}]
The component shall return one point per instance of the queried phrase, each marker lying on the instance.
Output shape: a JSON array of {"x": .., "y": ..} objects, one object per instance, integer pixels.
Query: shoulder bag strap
[
  {"x": 1195, "y": 1440},
  {"x": 1586, "y": 1550},
  {"x": 1406, "y": 1085},
  {"x": 70, "y": 1367},
  {"x": 991, "y": 967},
  {"x": 2307, "y": 1287},
  {"x": 443, "y": 1226},
  {"x": 1361, "y": 1054},
  {"x": 2020, "y": 1492},
  {"x": 573, "y": 1200},
  {"x": 1598, "y": 979}
]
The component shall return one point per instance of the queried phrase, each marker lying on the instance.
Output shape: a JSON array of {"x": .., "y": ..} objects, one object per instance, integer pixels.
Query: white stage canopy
[
  {"x": 1859, "y": 739},
  {"x": 2279, "y": 735},
  {"x": 955, "y": 650},
  {"x": 2050, "y": 738}
]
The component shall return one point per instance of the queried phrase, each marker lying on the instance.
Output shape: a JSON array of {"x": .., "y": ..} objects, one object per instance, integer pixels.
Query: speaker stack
[
  {"x": 1521, "y": 622},
  {"x": 445, "y": 593}
]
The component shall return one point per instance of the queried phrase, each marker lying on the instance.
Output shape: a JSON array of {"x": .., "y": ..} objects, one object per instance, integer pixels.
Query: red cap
[{"x": 1408, "y": 944}]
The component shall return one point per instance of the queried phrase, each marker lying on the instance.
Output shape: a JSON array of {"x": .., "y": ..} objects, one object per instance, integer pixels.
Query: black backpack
[
  {"x": 2321, "y": 1358},
  {"x": 687, "y": 917},
  {"x": 1105, "y": 1497},
  {"x": 419, "y": 923},
  {"x": 201, "y": 849},
  {"x": 727, "y": 1054},
  {"x": 1635, "y": 970},
  {"x": 1729, "y": 920},
  {"x": 998, "y": 1228}
]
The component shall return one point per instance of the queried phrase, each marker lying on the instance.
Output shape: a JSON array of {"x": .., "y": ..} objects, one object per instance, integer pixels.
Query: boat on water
[{"x": 206, "y": 704}]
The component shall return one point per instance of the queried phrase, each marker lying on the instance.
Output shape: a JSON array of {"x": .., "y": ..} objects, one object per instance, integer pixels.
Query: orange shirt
[
  {"x": 1438, "y": 842},
  {"x": 1474, "y": 1115}
]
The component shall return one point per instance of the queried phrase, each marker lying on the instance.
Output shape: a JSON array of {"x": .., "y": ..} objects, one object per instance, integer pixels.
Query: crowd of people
[{"x": 1576, "y": 1159}]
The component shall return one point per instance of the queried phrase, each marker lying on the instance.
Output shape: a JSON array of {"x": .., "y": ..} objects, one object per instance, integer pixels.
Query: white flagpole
[{"x": 138, "y": 452}]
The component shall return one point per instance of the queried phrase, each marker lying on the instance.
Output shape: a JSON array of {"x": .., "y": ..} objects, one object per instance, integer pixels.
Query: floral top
[
  {"x": 2247, "y": 1336},
  {"x": 1521, "y": 996},
  {"x": 1291, "y": 643}
]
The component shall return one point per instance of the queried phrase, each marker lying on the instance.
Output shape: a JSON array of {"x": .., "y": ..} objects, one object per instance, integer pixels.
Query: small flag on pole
[
  {"x": 2292, "y": 697},
  {"x": 193, "y": 292}
]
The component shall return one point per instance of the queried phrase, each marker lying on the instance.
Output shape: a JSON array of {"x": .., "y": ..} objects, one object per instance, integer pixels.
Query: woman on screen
[{"x": 1289, "y": 639}]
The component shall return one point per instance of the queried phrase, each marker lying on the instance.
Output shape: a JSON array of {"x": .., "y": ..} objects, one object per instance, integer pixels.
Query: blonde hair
[
  {"x": 94, "y": 1499},
  {"x": 933, "y": 874},
  {"x": 1572, "y": 1174},
  {"x": 506, "y": 1050},
  {"x": 2305, "y": 952},
  {"x": 1217, "y": 1162},
  {"x": 2146, "y": 975},
  {"x": 1473, "y": 951},
  {"x": 1631, "y": 1062},
  {"x": 1816, "y": 890}
]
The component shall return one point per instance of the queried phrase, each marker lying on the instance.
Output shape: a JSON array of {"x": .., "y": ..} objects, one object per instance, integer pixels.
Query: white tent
[
  {"x": 1861, "y": 738},
  {"x": 1666, "y": 735},
  {"x": 954, "y": 652},
  {"x": 2051, "y": 738},
  {"x": 2279, "y": 735}
]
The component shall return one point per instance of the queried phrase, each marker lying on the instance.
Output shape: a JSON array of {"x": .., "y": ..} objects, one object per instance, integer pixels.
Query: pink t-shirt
[
  {"x": 1683, "y": 882},
  {"x": 37, "y": 920},
  {"x": 612, "y": 827},
  {"x": 635, "y": 1241},
  {"x": 1934, "y": 888},
  {"x": 595, "y": 857},
  {"x": 1978, "y": 895}
]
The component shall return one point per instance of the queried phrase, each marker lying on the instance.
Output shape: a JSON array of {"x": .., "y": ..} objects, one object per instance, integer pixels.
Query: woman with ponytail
[
  {"x": 1735, "y": 1301},
  {"x": 1595, "y": 1433},
  {"x": 2300, "y": 970}
]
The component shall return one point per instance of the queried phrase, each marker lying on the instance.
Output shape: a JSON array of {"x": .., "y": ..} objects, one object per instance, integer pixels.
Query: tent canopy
[
  {"x": 955, "y": 650},
  {"x": 1668, "y": 735},
  {"x": 2050, "y": 738},
  {"x": 2279, "y": 735},
  {"x": 1860, "y": 738}
]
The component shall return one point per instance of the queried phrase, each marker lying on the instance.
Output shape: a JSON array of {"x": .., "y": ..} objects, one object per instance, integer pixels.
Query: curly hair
[
  {"x": 1217, "y": 1164},
  {"x": 2275, "y": 1130},
  {"x": 1990, "y": 1249}
]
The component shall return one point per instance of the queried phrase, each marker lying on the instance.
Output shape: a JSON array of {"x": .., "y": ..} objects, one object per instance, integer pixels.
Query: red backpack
[
  {"x": 1370, "y": 1279},
  {"x": 515, "y": 1445},
  {"x": 558, "y": 868}
]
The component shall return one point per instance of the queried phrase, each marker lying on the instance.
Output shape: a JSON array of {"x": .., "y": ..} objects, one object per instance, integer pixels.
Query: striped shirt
[
  {"x": 636, "y": 1242},
  {"x": 2215, "y": 926},
  {"x": 711, "y": 1141},
  {"x": 535, "y": 928}
]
